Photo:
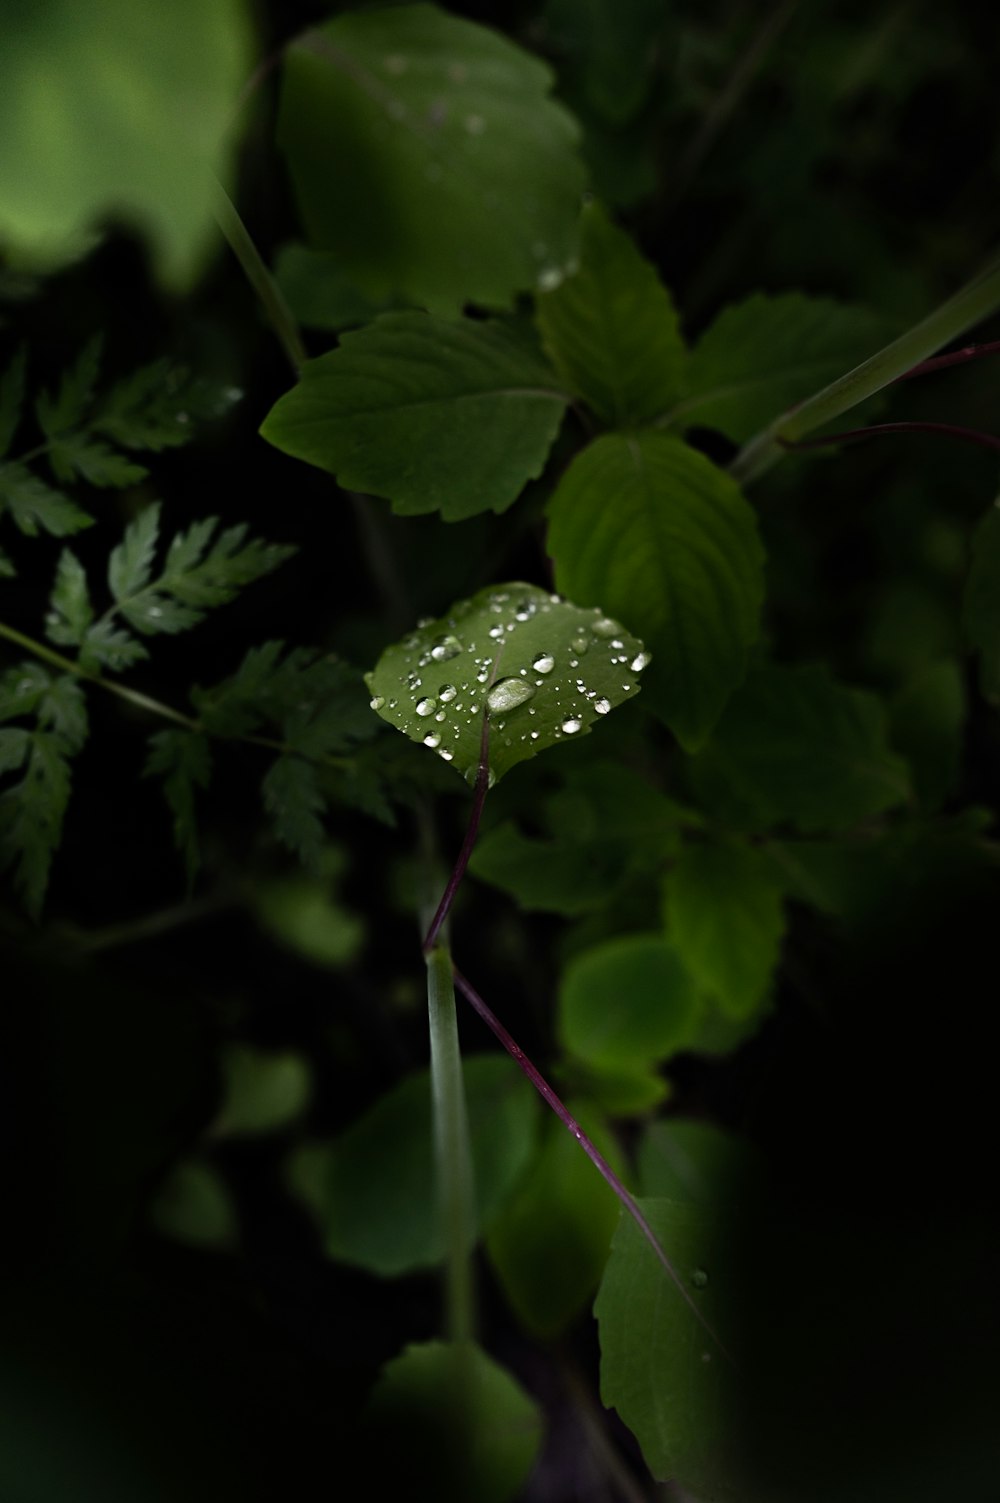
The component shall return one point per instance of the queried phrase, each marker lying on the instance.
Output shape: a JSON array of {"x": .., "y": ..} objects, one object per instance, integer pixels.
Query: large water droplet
[
  {"x": 440, "y": 716},
  {"x": 641, "y": 661},
  {"x": 571, "y": 726},
  {"x": 378, "y": 702},
  {"x": 432, "y": 739},
  {"x": 699, "y": 1278},
  {"x": 544, "y": 663},
  {"x": 604, "y": 628},
  {"x": 507, "y": 694},
  {"x": 426, "y": 706},
  {"x": 496, "y": 632},
  {"x": 602, "y": 706},
  {"x": 445, "y": 756},
  {"x": 445, "y": 648},
  {"x": 447, "y": 693},
  {"x": 580, "y": 645}
]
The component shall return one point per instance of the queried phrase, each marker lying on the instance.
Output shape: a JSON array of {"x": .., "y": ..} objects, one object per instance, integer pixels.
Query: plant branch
[
  {"x": 948, "y": 430},
  {"x": 956, "y": 357},
  {"x": 272, "y": 299},
  {"x": 974, "y": 302},
  {"x": 452, "y": 1151},
  {"x": 478, "y": 799}
]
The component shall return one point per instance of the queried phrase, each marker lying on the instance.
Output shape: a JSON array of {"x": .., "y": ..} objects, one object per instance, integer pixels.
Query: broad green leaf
[
  {"x": 629, "y": 1002},
  {"x": 446, "y": 1422},
  {"x": 70, "y": 612},
  {"x": 425, "y": 152},
  {"x": 300, "y": 912},
  {"x": 194, "y": 1205},
  {"x": 435, "y": 415},
  {"x": 295, "y": 803},
  {"x": 613, "y": 1090},
  {"x": 550, "y": 1241},
  {"x": 183, "y": 759},
  {"x": 664, "y": 539},
  {"x": 35, "y": 507},
  {"x": 761, "y": 356},
  {"x": 684, "y": 1159},
  {"x": 597, "y": 832},
  {"x": 113, "y": 109},
  {"x": 318, "y": 291},
  {"x": 981, "y": 606},
  {"x": 611, "y": 330},
  {"x": 660, "y": 1369},
  {"x": 373, "y": 1188},
  {"x": 264, "y": 1090},
  {"x": 11, "y": 397},
  {"x": 926, "y": 722},
  {"x": 543, "y": 670},
  {"x": 725, "y": 917},
  {"x": 796, "y": 747}
]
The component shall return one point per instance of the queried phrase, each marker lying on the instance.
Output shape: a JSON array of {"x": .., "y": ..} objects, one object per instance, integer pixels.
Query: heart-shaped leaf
[{"x": 542, "y": 669}]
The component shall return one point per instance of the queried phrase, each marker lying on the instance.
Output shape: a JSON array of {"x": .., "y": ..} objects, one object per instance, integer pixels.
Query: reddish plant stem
[
  {"x": 956, "y": 357},
  {"x": 948, "y": 430},
  {"x": 600, "y": 1163},
  {"x": 478, "y": 799}
]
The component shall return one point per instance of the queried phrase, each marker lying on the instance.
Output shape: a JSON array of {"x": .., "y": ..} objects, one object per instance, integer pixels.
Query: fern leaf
[
  {"x": 31, "y": 818},
  {"x": 157, "y": 406},
  {"x": 14, "y": 744},
  {"x": 35, "y": 506},
  {"x": 293, "y": 799},
  {"x": 70, "y": 612},
  {"x": 184, "y": 761},
  {"x": 108, "y": 646},
  {"x": 131, "y": 563},
  {"x": 65, "y": 411},
  {"x": 77, "y": 456},
  {"x": 11, "y": 398},
  {"x": 22, "y": 688}
]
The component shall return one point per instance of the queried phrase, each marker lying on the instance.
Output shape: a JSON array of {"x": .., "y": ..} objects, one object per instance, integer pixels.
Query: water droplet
[
  {"x": 549, "y": 278},
  {"x": 544, "y": 663},
  {"x": 432, "y": 739},
  {"x": 482, "y": 675},
  {"x": 699, "y": 1278},
  {"x": 603, "y": 627},
  {"x": 411, "y": 641},
  {"x": 641, "y": 661},
  {"x": 393, "y": 703},
  {"x": 447, "y": 693},
  {"x": 534, "y": 735},
  {"x": 507, "y": 694},
  {"x": 445, "y": 755},
  {"x": 182, "y": 417},
  {"x": 426, "y": 706},
  {"x": 571, "y": 726},
  {"x": 617, "y": 645},
  {"x": 524, "y": 609},
  {"x": 580, "y": 645},
  {"x": 475, "y": 124},
  {"x": 440, "y": 716},
  {"x": 706, "y": 1356},
  {"x": 496, "y": 631},
  {"x": 627, "y": 688},
  {"x": 378, "y": 702},
  {"x": 443, "y": 649},
  {"x": 602, "y": 706},
  {"x": 154, "y": 611}
]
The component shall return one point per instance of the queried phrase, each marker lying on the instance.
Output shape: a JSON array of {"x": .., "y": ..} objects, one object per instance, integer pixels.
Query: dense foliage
[{"x": 386, "y": 398}]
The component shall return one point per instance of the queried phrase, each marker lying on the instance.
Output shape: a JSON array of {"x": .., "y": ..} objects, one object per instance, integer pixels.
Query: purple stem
[
  {"x": 478, "y": 799},
  {"x": 600, "y": 1163},
  {"x": 950, "y": 430},
  {"x": 956, "y": 357}
]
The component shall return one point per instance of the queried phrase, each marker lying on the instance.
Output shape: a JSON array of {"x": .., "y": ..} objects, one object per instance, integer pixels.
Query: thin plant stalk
[
  {"x": 272, "y": 299},
  {"x": 943, "y": 430}
]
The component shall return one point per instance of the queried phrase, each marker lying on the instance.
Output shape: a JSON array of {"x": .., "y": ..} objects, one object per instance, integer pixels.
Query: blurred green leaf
[
  {"x": 301, "y": 913},
  {"x": 608, "y": 47},
  {"x": 630, "y": 1002},
  {"x": 926, "y": 723},
  {"x": 318, "y": 290},
  {"x": 194, "y": 1205},
  {"x": 264, "y": 1090},
  {"x": 183, "y": 759},
  {"x": 683, "y": 1159}
]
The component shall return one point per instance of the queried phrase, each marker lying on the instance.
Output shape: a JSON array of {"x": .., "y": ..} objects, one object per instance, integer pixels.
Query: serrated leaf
[
  {"x": 664, "y": 539},
  {"x": 154, "y": 407},
  {"x": 981, "y": 604},
  {"x": 630, "y": 1002},
  {"x": 794, "y": 746},
  {"x": 70, "y": 612},
  {"x": 543, "y": 670},
  {"x": 22, "y": 688},
  {"x": 11, "y": 397},
  {"x": 107, "y": 646},
  {"x": 34, "y": 506},
  {"x": 611, "y": 329},
  {"x": 295, "y": 803},
  {"x": 659, "y": 1367},
  {"x": 762, "y": 356},
  {"x": 145, "y": 118},
  {"x": 433, "y": 414},
  {"x": 93, "y": 461},
  {"x": 61, "y": 413},
  {"x": 373, "y": 1187},
  {"x": 131, "y": 562},
  {"x": 14, "y": 744},
  {"x": 183, "y": 759},
  {"x": 31, "y": 818},
  {"x": 462, "y": 183},
  {"x": 725, "y": 919}
]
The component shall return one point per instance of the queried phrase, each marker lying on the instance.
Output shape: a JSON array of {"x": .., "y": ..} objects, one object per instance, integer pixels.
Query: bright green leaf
[
  {"x": 981, "y": 607},
  {"x": 448, "y": 1423},
  {"x": 461, "y": 183},
  {"x": 550, "y": 1241},
  {"x": 611, "y": 330},
  {"x": 664, "y": 539},
  {"x": 628, "y": 1002},
  {"x": 432, "y": 414},
  {"x": 796, "y": 747},
  {"x": 373, "y": 1188},
  {"x": 264, "y": 1090},
  {"x": 544, "y": 670},
  {"x": 761, "y": 356},
  {"x": 113, "y": 109},
  {"x": 725, "y": 917}
]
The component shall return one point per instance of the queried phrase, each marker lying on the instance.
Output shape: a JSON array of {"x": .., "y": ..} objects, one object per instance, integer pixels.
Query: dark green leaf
[
  {"x": 462, "y": 183},
  {"x": 295, "y": 803},
  {"x": 22, "y": 689},
  {"x": 183, "y": 759},
  {"x": 155, "y": 407},
  {"x": 194, "y": 1205},
  {"x": 665, "y": 540},
  {"x": 107, "y": 646},
  {"x": 373, "y": 1188},
  {"x": 927, "y": 721},
  {"x": 761, "y": 356},
  {"x": 435, "y": 415},
  {"x": 627, "y": 1003},
  {"x": 7, "y": 569},
  {"x": 302, "y": 914},
  {"x": 725, "y": 917},
  {"x": 319, "y": 292},
  {"x": 66, "y": 410},
  {"x": 543, "y": 669},
  {"x": 14, "y": 744},
  {"x": 610, "y": 47},
  {"x": 70, "y": 612},
  {"x": 31, "y": 817},
  {"x": 796, "y": 747},
  {"x": 11, "y": 397},
  {"x": 695, "y": 1161},
  {"x": 34, "y": 506},
  {"x": 131, "y": 563},
  {"x": 93, "y": 461},
  {"x": 265, "y": 1090},
  {"x": 611, "y": 330},
  {"x": 981, "y": 607}
]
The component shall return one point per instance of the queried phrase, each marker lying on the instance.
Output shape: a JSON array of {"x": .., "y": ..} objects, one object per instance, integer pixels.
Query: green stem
[
  {"x": 271, "y": 297},
  {"x": 453, "y": 1155},
  {"x": 976, "y": 301}
]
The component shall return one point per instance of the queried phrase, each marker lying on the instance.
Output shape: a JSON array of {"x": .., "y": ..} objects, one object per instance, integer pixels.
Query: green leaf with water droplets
[
  {"x": 659, "y": 535},
  {"x": 544, "y": 671},
  {"x": 461, "y": 182},
  {"x": 435, "y": 415},
  {"x": 611, "y": 329}
]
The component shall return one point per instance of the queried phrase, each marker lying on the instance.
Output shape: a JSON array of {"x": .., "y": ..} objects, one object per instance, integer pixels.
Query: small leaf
[
  {"x": 293, "y": 799},
  {"x": 35, "y": 506},
  {"x": 663, "y": 538},
  {"x": 31, "y": 818},
  {"x": 543, "y": 670},
  {"x": 93, "y": 461},
  {"x": 762, "y": 356},
  {"x": 611, "y": 330},
  {"x": 131, "y": 563},
  {"x": 107, "y": 646},
  {"x": 795, "y": 746},
  {"x": 11, "y": 398},
  {"x": 70, "y": 611},
  {"x": 725, "y": 917},
  {"x": 300, "y": 912},
  {"x": 628, "y": 1003},
  {"x": 194, "y": 1205},
  {"x": 265, "y": 1090},
  {"x": 184, "y": 761},
  {"x": 66, "y": 410},
  {"x": 155, "y": 407},
  {"x": 981, "y": 606},
  {"x": 462, "y": 183},
  {"x": 432, "y": 414},
  {"x": 15, "y": 742}
]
